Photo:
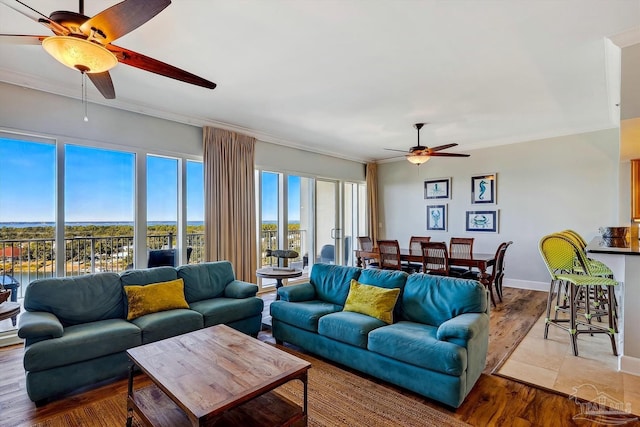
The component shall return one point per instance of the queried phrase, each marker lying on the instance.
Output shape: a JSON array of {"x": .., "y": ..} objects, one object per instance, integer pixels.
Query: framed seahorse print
[{"x": 483, "y": 188}]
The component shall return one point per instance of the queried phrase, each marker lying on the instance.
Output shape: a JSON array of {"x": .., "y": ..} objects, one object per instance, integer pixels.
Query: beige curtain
[
  {"x": 372, "y": 201},
  {"x": 230, "y": 201}
]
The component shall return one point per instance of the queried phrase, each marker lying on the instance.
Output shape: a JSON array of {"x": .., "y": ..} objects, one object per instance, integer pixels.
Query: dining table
[{"x": 478, "y": 260}]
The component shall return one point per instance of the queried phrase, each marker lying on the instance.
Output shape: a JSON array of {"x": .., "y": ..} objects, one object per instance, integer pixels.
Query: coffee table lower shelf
[{"x": 155, "y": 408}]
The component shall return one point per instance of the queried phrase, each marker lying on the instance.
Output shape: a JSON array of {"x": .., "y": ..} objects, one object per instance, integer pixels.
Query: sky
[
  {"x": 270, "y": 197},
  {"x": 99, "y": 184}
]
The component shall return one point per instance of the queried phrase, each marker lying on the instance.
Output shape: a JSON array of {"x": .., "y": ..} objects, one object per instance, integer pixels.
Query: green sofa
[
  {"x": 76, "y": 330},
  {"x": 437, "y": 345}
]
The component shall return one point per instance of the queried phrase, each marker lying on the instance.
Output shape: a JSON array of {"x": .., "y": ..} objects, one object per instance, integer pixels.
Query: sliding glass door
[
  {"x": 328, "y": 234},
  {"x": 354, "y": 218}
]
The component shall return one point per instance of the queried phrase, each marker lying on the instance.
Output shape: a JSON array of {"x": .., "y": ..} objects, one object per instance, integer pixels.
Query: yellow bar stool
[
  {"x": 559, "y": 253},
  {"x": 599, "y": 297}
]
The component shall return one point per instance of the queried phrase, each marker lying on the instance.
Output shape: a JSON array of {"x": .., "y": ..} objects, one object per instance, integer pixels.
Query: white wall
[
  {"x": 28, "y": 110},
  {"x": 543, "y": 186},
  {"x": 306, "y": 163}
]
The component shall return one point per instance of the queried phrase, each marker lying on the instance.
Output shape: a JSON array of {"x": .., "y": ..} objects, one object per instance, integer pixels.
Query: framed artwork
[
  {"x": 483, "y": 221},
  {"x": 439, "y": 188},
  {"x": 437, "y": 217},
  {"x": 483, "y": 189}
]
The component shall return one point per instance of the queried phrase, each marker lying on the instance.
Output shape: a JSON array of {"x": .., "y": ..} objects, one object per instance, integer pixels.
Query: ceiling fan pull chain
[{"x": 84, "y": 96}]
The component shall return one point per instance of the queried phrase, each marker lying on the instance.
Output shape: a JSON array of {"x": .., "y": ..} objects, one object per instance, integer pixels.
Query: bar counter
[{"x": 623, "y": 258}]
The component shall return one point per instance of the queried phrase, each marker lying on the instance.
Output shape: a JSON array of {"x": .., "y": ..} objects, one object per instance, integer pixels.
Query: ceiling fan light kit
[
  {"x": 80, "y": 54},
  {"x": 84, "y": 43},
  {"x": 417, "y": 159},
  {"x": 420, "y": 154}
]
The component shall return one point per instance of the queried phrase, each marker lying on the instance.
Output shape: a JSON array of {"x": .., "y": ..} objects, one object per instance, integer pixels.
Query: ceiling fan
[
  {"x": 84, "y": 43},
  {"x": 420, "y": 154}
]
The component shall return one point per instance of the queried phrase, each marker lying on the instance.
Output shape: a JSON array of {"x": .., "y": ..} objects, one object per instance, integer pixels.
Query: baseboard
[
  {"x": 10, "y": 338},
  {"x": 630, "y": 365},
  {"x": 526, "y": 284}
]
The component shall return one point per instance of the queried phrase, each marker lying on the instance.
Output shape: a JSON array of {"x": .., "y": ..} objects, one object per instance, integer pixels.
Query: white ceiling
[{"x": 350, "y": 77}]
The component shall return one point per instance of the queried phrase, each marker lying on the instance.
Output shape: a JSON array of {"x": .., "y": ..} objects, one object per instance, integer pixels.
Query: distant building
[{"x": 10, "y": 252}]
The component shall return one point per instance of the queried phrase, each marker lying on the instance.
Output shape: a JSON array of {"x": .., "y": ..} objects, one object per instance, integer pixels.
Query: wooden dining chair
[
  {"x": 460, "y": 247},
  {"x": 390, "y": 256},
  {"x": 435, "y": 258},
  {"x": 366, "y": 244},
  {"x": 416, "y": 248},
  {"x": 497, "y": 271},
  {"x": 499, "y": 267}
]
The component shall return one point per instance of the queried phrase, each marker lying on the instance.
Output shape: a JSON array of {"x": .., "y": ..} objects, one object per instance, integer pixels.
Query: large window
[
  {"x": 305, "y": 214},
  {"x": 269, "y": 215},
  {"x": 27, "y": 213},
  {"x": 300, "y": 219},
  {"x": 69, "y": 209},
  {"x": 162, "y": 210},
  {"x": 195, "y": 211},
  {"x": 98, "y": 209}
]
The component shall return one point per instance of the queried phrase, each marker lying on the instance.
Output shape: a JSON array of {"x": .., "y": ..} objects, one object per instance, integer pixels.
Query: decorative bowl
[{"x": 614, "y": 232}]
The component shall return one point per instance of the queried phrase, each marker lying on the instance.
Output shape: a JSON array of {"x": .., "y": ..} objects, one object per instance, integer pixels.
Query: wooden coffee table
[{"x": 215, "y": 376}]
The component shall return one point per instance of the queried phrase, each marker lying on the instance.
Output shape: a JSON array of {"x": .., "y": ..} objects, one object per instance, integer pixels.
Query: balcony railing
[
  {"x": 30, "y": 259},
  {"x": 269, "y": 240}
]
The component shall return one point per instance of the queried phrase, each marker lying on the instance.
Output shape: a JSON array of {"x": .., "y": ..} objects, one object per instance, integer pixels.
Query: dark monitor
[{"x": 162, "y": 257}]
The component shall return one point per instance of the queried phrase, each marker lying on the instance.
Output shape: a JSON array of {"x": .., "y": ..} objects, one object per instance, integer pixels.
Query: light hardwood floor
[{"x": 494, "y": 401}]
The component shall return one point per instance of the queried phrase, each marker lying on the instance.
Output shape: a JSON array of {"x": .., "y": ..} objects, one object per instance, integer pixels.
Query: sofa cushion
[
  {"x": 165, "y": 324},
  {"x": 435, "y": 299},
  {"x": 205, "y": 280},
  {"x": 332, "y": 282},
  {"x": 304, "y": 314},
  {"x": 348, "y": 327},
  {"x": 417, "y": 344},
  {"x": 77, "y": 300},
  {"x": 154, "y": 297},
  {"x": 82, "y": 342},
  {"x": 227, "y": 310},
  {"x": 371, "y": 300},
  {"x": 383, "y": 278},
  {"x": 240, "y": 289},
  {"x": 147, "y": 276}
]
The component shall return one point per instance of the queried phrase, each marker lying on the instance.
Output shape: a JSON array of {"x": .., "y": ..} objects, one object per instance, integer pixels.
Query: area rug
[{"x": 336, "y": 398}]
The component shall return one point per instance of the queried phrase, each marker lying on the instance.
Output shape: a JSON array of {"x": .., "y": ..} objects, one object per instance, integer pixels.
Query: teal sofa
[
  {"x": 76, "y": 330},
  {"x": 436, "y": 346}
]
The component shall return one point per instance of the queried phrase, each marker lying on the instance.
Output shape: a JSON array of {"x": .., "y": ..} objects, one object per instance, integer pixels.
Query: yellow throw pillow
[
  {"x": 155, "y": 297},
  {"x": 373, "y": 301}
]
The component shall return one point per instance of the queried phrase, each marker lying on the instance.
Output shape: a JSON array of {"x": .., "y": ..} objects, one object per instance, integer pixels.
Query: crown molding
[{"x": 69, "y": 91}]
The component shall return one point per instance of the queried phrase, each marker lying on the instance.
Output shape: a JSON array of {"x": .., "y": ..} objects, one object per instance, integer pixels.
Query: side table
[
  {"x": 279, "y": 274},
  {"x": 9, "y": 310}
]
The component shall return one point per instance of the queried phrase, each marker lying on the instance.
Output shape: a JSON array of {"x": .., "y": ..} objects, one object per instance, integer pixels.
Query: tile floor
[{"x": 592, "y": 375}]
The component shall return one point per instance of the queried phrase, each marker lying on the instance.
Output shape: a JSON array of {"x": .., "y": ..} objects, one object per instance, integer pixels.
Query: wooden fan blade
[
  {"x": 146, "y": 63},
  {"x": 389, "y": 158},
  {"x": 399, "y": 151},
  {"x": 442, "y": 147},
  {"x": 437, "y": 154},
  {"x": 103, "y": 82},
  {"x": 34, "y": 15},
  {"x": 122, "y": 18},
  {"x": 21, "y": 39}
]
